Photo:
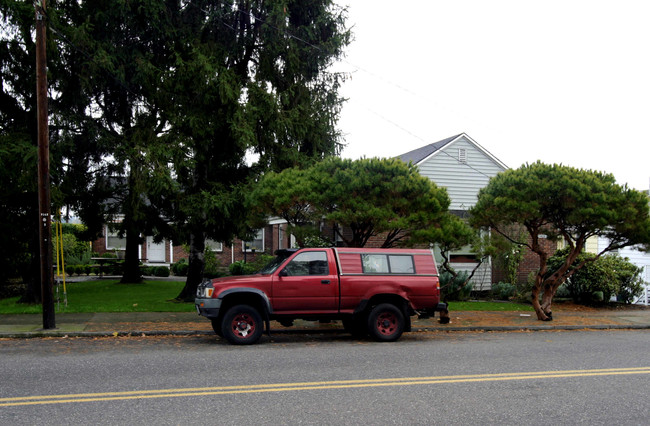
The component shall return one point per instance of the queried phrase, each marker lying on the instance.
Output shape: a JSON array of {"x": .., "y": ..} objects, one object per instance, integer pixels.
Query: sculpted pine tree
[
  {"x": 375, "y": 197},
  {"x": 287, "y": 194},
  {"x": 559, "y": 202}
]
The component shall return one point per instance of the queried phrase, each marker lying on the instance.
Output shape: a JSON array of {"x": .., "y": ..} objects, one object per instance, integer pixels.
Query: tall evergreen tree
[
  {"x": 19, "y": 252},
  {"x": 157, "y": 106},
  {"x": 251, "y": 78}
]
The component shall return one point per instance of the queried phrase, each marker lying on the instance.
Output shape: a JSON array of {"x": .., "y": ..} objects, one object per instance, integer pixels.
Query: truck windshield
[{"x": 281, "y": 256}]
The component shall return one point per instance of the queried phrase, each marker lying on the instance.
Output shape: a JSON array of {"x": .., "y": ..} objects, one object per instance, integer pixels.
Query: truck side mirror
[{"x": 284, "y": 273}]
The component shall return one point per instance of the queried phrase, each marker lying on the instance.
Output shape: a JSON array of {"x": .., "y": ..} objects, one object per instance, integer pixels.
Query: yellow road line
[{"x": 336, "y": 384}]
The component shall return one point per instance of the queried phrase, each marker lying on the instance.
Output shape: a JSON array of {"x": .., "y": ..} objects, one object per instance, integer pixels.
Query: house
[
  {"x": 463, "y": 167},
  {"x": 166, "y": 252}
]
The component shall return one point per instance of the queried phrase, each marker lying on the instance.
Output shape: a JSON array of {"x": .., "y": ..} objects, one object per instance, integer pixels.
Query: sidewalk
[{"x": 189, "y": 323}]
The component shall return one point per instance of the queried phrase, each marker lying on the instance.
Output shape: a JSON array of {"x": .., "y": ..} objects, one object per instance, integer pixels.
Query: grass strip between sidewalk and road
[{"x": 158, "y": 296}]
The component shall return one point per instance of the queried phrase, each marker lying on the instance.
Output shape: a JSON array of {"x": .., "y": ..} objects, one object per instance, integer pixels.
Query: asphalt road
[{"x": 538, "y": 378}]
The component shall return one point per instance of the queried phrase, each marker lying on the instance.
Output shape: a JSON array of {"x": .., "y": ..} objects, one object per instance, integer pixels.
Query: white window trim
[
  {"x": 243, "y": 243},
  {"x": 218, "y": 249},
  {"x": 110, "y": 233},
  {"x": 462, "y": 155}
]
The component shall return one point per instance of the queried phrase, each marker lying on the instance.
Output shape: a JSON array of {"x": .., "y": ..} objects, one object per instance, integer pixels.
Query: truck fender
[{"x": 267, "y": 309}]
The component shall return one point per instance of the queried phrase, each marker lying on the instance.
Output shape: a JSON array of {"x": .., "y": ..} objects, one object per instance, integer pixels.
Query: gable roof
[{"x": 419, "y": 155}]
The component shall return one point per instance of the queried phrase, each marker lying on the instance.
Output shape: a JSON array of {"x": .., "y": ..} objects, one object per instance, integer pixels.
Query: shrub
[
  {"x": 601, "y": 278},
  {"x": 116, "y": 268},
  {"x": 451, "y": 288},
  {"x": 504, "y": 291},
  {"x": 160, "y": 271},
  {"x": 563, "y": 292},
  {"x": 83, "y": 259},
  {"x": 629, "y": 277},
  {"x": 146, "y": 270},
  {"x": 72, "y": 245},
  {"x": 180, "y": 268},
  {"x": 241, "y": 268},
  {"x": 211, "y": 268}
]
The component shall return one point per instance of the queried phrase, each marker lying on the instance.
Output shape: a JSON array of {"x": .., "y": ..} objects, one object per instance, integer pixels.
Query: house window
[
  {"x": 462, "y": 156},
  {"x": 114, "y": 241},
  {"x": 213, "y": 245},
  {"x": 256, "y": 244},
  {"x": 281, "y": 243}
]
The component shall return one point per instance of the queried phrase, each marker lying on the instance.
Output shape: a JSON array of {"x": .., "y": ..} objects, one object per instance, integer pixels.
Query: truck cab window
[{"x": 308, "y": 263}]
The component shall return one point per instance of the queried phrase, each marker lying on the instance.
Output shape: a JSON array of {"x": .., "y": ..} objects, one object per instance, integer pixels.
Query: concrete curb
[{"x": 143, "y": 333}]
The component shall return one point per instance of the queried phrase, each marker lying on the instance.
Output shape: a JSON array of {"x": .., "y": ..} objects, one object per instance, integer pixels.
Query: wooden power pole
[{"x": 44, "y": 217}]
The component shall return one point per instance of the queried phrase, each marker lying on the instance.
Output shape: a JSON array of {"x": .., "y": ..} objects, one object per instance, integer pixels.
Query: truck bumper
[{"x": 208, "y": 308}]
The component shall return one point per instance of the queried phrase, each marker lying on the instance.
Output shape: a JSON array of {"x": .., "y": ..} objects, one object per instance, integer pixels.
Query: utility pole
[{"x": 44, "y": 217}]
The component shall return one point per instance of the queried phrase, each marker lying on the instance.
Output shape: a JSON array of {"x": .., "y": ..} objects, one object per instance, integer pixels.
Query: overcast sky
[{"x": 557, "y": 81}]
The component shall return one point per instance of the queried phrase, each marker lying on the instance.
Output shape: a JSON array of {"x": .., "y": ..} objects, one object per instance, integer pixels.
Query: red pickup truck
[{"x": 373, "y": 291}]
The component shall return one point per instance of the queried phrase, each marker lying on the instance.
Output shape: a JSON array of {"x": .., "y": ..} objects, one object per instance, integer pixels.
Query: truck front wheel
[
  {"x": 242, "y": 325},
  {"x": 386, "y": 323},
  {"x": 216, "y": 326}
]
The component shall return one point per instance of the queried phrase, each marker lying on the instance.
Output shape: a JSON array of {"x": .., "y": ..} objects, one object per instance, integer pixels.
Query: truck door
[{"x": 308, "y": 283}]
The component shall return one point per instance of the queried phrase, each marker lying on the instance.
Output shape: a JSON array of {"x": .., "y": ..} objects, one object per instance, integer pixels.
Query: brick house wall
[
  {"x": 173, "y": 253},
  {"x": 530, "y": 263}
]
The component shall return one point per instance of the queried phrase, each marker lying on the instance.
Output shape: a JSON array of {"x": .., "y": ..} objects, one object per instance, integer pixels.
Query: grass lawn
[
  {"x": 109, "y": 296},
  {"x": 156, "y": 296}
]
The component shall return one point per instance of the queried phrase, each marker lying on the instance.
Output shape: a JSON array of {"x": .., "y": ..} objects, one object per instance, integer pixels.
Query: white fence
[
  {"x": 644, "y": 298},
  {"x": 482, "y": 279}
]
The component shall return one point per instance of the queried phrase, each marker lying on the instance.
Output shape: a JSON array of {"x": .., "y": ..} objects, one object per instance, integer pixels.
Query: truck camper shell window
[
  {"x": 387, "y": 264},
  {"x": 400, "y": 264}
]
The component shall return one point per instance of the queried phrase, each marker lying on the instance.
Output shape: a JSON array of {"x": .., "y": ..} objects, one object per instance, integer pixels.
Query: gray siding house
[{"x": 463, "y": 167}]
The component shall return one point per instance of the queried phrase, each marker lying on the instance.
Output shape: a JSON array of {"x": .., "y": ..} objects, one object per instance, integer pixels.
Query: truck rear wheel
[
  {"x": 386, "y": 323},
  {"x": 242, "y": 325},
  {"x": 357, "y": 327}
]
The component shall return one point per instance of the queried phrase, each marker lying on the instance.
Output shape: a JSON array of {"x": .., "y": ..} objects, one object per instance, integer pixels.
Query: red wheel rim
[
  {"x": 243, "y": 326},
  {"x": 386, "y": 323}
]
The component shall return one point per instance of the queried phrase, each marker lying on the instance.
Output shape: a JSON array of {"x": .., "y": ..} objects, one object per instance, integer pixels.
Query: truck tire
[
  {"x": 386, "y": 323},
  {"x": 242, "y": 325},
  {"x": 216, "y": 326},
  {"x": 357, "y": 327}
]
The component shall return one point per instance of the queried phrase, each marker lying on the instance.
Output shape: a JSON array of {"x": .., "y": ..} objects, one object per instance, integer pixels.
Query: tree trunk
[
  {"x": 30, "y": 277},
  {"x": 543, "y": 310},
  {"x": 195, "y": 268},
  {"x": 535, "y": 301},
  {"x": 131, "y": 272},
  {"x": 547, "y": 299}
]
